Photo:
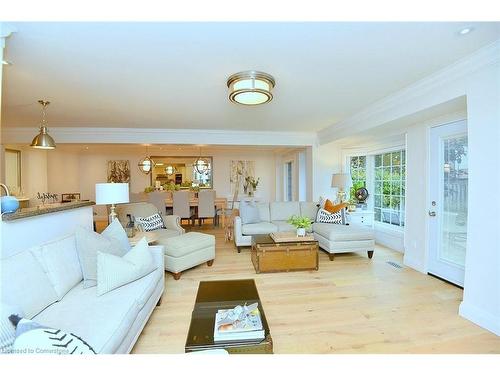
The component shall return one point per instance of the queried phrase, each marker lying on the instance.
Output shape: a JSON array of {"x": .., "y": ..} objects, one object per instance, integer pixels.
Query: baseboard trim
[
  {"x": 415, "y": 265},
  {"x": 480, "y": 317}
]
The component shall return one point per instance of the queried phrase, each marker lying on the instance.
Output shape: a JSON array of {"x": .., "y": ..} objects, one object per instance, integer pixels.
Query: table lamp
[
  {"x": 343, "y": 182},
  {"x": 111, "y": 193}
]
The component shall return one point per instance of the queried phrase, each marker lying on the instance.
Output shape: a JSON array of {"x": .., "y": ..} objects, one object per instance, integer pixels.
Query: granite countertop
[{"x": 24, "y": 213}]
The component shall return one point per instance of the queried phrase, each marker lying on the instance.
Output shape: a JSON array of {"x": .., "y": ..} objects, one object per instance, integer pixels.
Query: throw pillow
[
  {"x": 331, "y": 207},
  {"x": 150, "y": 223},
  {"x": 330, "y": 218},
  {"x": 322, "y": 201},
  {"x": 33, "y": 338},
  {"x": 114, "y": 271},
  {"x": 7, "y": 330},
  {"x": 249, "y": 213},
  {"x": 88, "y": 244},
  {"x": 59, "y": 260},
  {"x": 115, "y": 230}
]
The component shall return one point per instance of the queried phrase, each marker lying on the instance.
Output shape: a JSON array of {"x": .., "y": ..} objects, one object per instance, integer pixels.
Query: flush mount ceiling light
[
  {"x": 146, "y": 164},
  {"x": 43, "y": 140},
  {"x": 250, "y": 87}
]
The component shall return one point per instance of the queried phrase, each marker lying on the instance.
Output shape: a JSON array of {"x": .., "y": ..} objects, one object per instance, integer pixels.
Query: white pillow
[
  {"x": 115, "y": 230},
  {"x": 60, "y": 262},
  {"x": 25, "y": 283},
  {"x": 88, "y": 244},
  {"x": 7, "y": 329},
  {"x": 114, "y": 271}
]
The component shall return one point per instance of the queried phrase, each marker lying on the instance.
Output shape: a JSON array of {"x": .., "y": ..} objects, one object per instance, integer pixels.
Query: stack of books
[{"x": 238, "y": 324}]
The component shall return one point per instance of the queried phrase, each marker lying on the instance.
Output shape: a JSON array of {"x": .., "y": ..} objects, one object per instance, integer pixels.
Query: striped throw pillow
[
  {"x": 330, "y": 218},
  {"x": 150, "y": 223}
]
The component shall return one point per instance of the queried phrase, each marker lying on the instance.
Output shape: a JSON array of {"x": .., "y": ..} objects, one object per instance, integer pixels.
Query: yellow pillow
[{"x": 332, "y": 208}]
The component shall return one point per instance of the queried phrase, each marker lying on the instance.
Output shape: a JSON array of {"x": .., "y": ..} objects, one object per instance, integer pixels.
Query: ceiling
[{"x": 173, "y": 75}]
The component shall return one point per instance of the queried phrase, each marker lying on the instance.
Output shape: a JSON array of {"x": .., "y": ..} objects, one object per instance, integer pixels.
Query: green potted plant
[{"x": 301, "y": 223}]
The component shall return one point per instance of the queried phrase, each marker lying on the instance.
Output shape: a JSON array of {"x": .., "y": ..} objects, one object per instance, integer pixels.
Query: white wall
[
  {"x": 65, "y": 171},
  {"x": 326, "y": 161},
  {"x": 481, "y": 302}
]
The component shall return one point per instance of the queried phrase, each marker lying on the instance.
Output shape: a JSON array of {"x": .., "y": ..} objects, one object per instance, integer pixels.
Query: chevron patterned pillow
[
  {"x": 326, "y": 217},
  {"x": 33, "y": 338},
  {"x": 150, "y": 223}
]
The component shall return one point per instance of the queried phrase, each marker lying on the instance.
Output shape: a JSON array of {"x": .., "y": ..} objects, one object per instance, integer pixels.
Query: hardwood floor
[{"x": 351, "y": 305}]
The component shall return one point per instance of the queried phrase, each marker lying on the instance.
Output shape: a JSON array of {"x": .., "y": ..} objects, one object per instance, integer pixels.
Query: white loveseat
[
  {"x": 333, "y": 238},
  {"x": 110, "y": 323}
]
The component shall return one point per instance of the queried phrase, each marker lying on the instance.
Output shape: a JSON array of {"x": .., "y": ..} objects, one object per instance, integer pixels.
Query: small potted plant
[{"x": 301, "y": 223}]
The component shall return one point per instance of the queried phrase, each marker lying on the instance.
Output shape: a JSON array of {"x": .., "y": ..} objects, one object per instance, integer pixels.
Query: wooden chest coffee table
[
  {"x": 224, "y": 294},
  {"x": 270, "y": 256}
]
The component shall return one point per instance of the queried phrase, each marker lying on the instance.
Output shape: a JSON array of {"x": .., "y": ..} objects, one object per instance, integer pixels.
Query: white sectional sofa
[
  {"x": 333, "y": 238},
  {"x": 110, "y": 323}
]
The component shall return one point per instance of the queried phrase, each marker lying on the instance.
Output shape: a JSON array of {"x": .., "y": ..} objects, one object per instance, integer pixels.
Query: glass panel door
[{"x": 448, "y": 208}]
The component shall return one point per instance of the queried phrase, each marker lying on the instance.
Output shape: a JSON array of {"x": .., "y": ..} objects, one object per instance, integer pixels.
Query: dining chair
[
  {"x": 157, "y": 198},
  {"x": 206, "y": 206},
  {"x": 181, "y": 206}
]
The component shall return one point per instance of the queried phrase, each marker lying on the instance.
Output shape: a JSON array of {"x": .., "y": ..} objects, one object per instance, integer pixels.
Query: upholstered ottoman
[{"x": 187, "y": 251}]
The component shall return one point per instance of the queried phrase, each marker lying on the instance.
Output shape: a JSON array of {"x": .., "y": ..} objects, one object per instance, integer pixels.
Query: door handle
[{"x": 432, "y": 213}]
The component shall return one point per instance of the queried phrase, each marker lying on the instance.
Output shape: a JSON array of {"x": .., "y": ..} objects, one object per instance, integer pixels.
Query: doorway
[{"x": 448, "y": 201}]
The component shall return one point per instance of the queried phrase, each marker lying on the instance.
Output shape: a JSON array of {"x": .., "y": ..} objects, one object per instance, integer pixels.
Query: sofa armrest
[
  {"x": 237, "y": 230},
  {"x": 158, "y": 253},
  {"x": 173, "y": 222}
]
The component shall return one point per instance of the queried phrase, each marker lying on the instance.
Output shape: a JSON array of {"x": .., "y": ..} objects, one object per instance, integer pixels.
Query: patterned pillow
[
  {"x": 330, "y": 218},
  {"x": 151, "y": 223},
  {"x": 33, "y": 338}
]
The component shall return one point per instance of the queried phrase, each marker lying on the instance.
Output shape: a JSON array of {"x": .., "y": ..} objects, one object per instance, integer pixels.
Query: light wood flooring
[{"x": 351, "y": 305}]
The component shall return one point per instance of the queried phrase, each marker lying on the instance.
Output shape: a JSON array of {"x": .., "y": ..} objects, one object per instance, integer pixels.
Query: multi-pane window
[
  {"x": 358, "y": 173},
  {"x": 288, "y": 181},
  {"x": 389, "y": 197}
]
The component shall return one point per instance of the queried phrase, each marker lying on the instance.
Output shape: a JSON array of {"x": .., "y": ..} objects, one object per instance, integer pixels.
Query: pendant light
[
  {"x": 146, "y": 164},
  {"x": 43, "y": 140},
  {"x": 201, "y": 165}
]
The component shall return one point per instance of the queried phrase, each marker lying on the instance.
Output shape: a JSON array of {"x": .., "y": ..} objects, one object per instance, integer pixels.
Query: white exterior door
[{"x": 448, "y": 201}]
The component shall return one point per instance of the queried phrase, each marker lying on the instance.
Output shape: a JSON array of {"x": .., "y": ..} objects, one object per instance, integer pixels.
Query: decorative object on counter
[
  {"x": 8, "y": 203},
  {"x": 202, "y": 165},
  {"x": 146, "y": 164},
  {"x": 301, "y": 223},
  {"x": 351, "y": 207},
  {"x": 361, "y": 194},
  {"x": 111, "y": 193},
  {"x": 343, "y": 182},
  {"x": 46, "y": 196},
  {"x": 43, "y": 140},
  {"x": 250, "y": 87},
  {"x": 118, "y": 171},
  {"x": 239, "y": 323},
  {"x": 70, "y": 197},
  {"x": 240, "y": 170}
]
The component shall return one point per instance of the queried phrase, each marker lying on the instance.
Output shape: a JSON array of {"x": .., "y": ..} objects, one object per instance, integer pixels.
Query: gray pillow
[{"x": 249, "y": 213}]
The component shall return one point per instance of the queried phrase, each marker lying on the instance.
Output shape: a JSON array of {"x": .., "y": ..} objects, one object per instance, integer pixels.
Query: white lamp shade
[
  {"x": 342, "y": 181},
  {"x": 111, "y": 193}
]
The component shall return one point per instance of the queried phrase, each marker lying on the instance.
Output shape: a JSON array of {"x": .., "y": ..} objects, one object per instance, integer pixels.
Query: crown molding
[
  {"x": 12, "y": 135},
  {"x": 395, "y": 105}
]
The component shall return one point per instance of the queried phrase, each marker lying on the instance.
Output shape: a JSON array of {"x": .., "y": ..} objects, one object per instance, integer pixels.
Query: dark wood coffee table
[{"x": 224, "y": 294}]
